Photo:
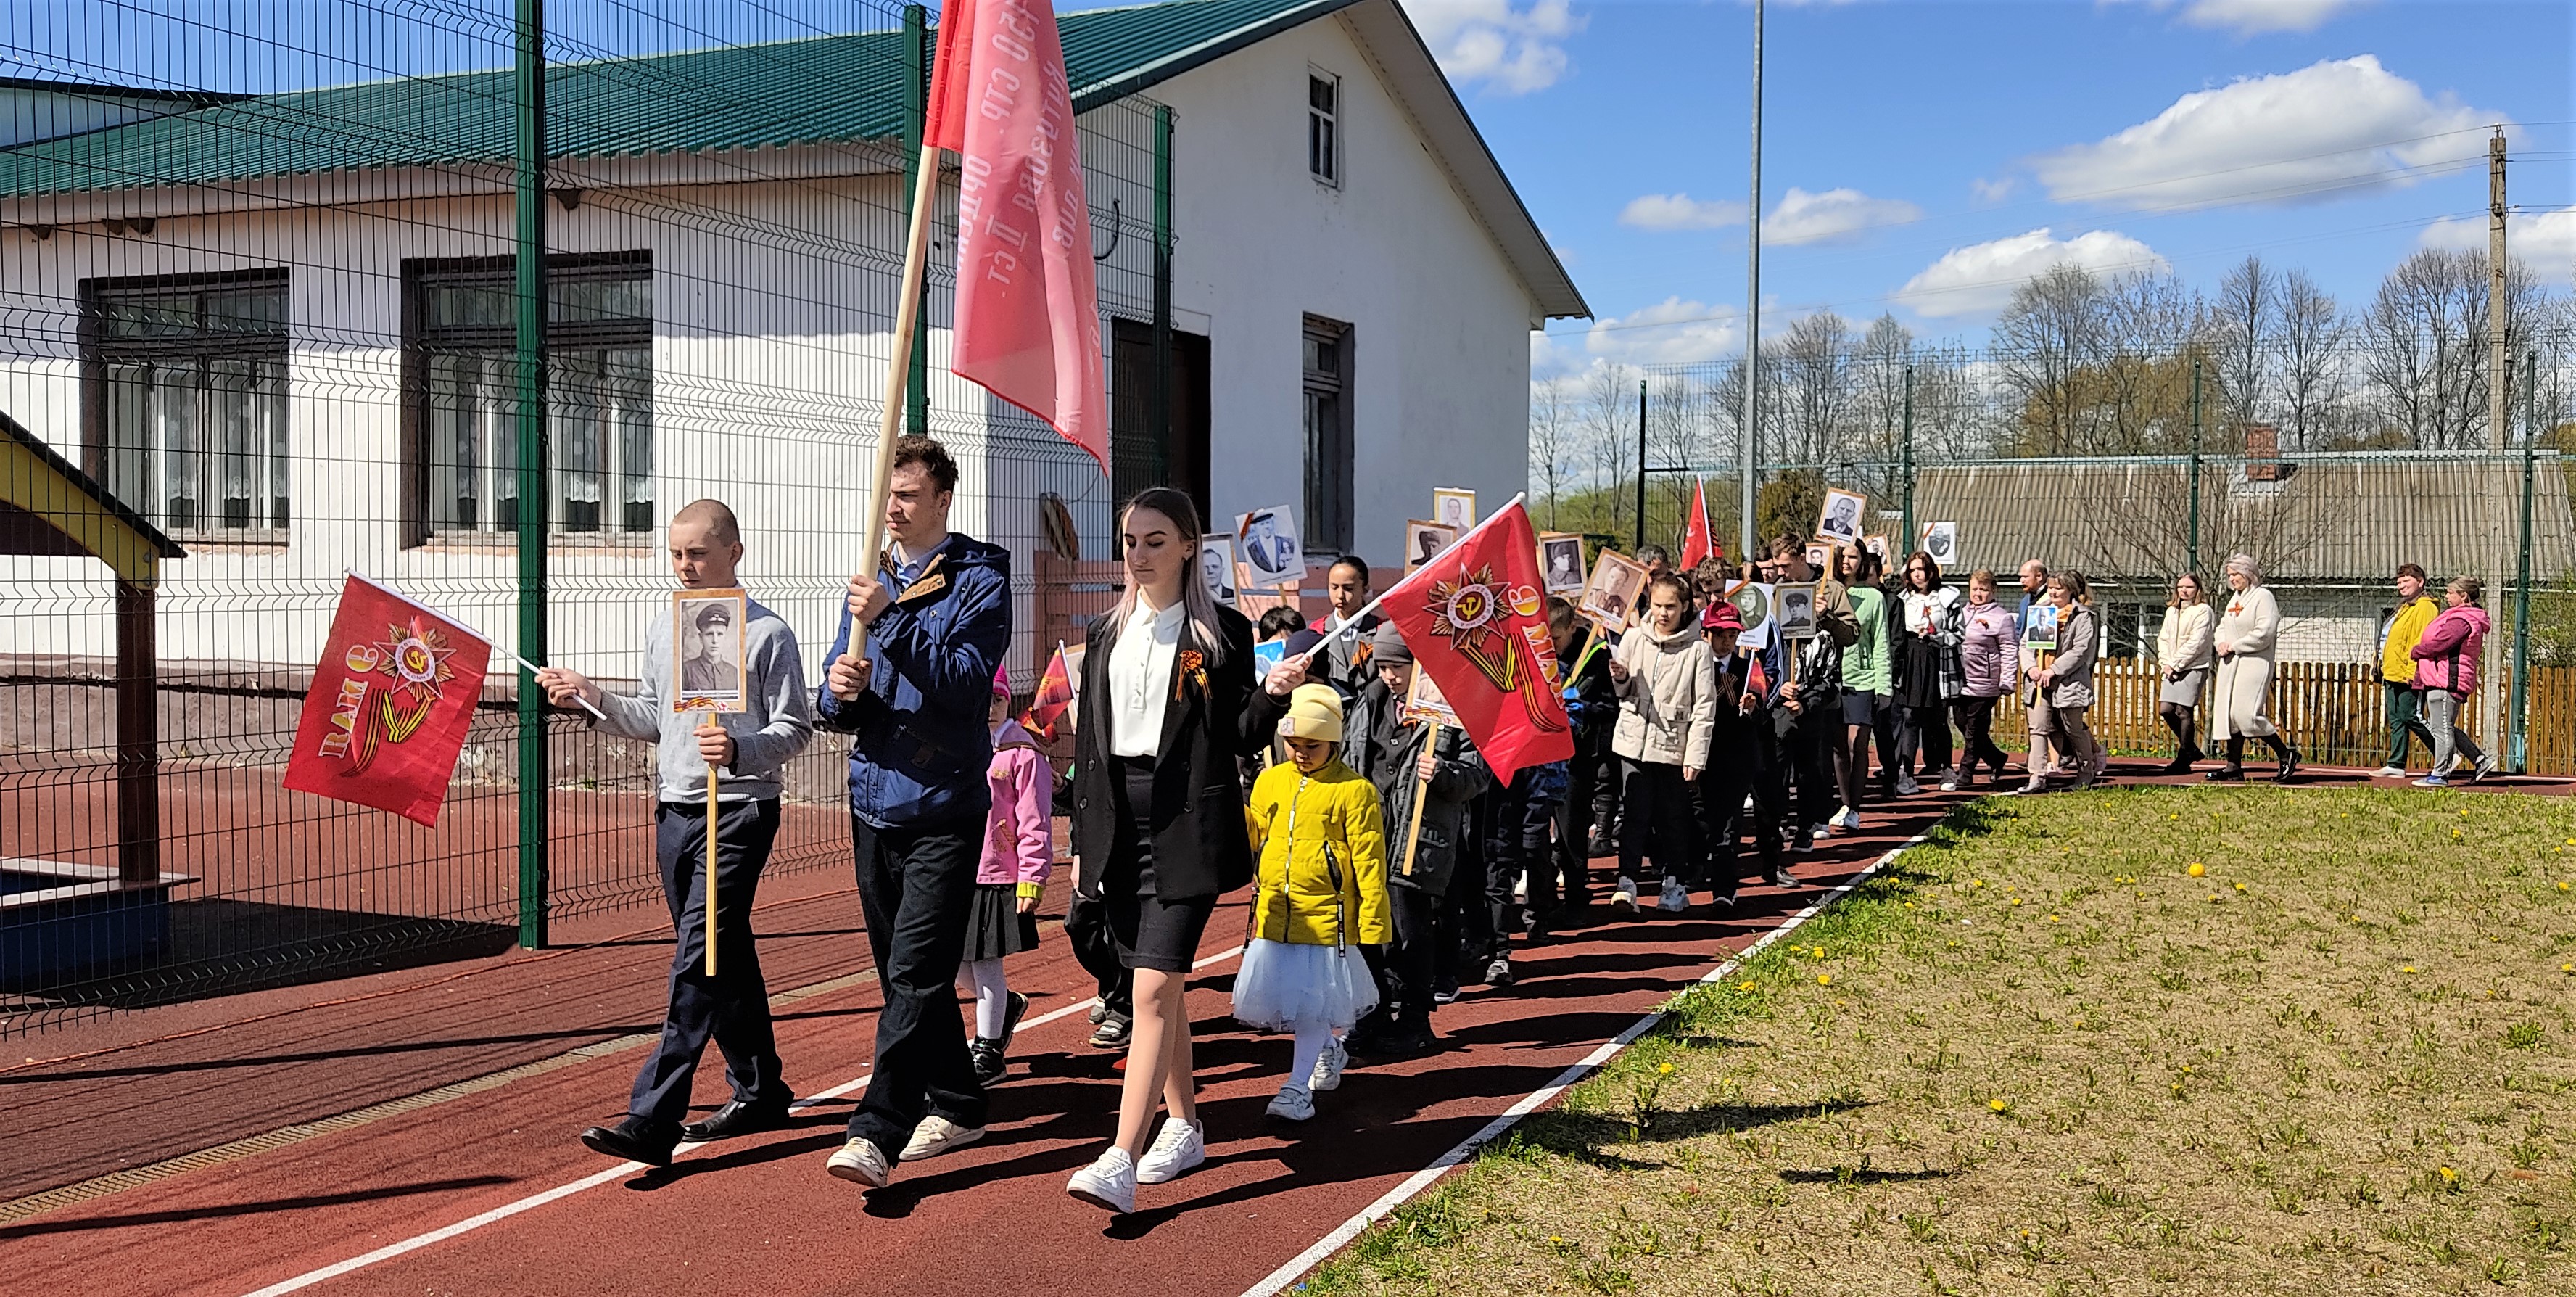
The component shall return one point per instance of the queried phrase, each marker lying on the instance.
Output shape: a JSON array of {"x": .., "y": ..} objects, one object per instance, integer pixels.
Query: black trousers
[
  {"x": 1811, "y": 748},
  {"x": 1887, "y": 726},
  {"x": 1608, "y": 789},
  {"x": 916, "y": 886},
  {"x": 1661, "y": 823},
  {"x": 1927, "y": 731},
  {"x": 1405, "y": 967},
  {"x": 1565, "y": 877},
  {"x": 733, "y": 1006},
  {"x": 1516, "y": 842},
  {"x": 1976, "y": 718},
  {"x": 1746, "y": 766},
  {"x": 1086, "y": 929}
]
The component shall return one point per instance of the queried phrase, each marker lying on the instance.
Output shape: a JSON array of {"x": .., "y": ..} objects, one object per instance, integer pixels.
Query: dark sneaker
[
  {"x": 1780, "y": 877},
  {"x": 1112, "y": 1033},
  {"x": 1444, "y": 993},
  {"x": 1499, "y": 972}
]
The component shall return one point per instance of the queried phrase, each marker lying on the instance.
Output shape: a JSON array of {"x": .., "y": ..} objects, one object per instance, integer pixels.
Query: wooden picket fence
[{"x": 2335, "y": 712}]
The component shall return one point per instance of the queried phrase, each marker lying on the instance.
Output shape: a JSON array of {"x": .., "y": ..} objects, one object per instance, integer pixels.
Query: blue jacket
[{"x": 922, "y": 742}]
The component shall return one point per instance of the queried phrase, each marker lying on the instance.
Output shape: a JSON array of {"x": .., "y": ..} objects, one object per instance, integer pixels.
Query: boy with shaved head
[{"x": 750, "y": 747}]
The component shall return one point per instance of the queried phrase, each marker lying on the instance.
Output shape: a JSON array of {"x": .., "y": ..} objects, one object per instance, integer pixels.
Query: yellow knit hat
[{"x": 1314, "y": 712}]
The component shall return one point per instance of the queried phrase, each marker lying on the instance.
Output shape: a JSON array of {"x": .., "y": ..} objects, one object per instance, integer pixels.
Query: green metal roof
[{"x": 820, "y": 90}]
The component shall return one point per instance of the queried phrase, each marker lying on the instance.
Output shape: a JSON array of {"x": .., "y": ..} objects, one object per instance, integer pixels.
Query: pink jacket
[
  {"x": 1019, "y": 832},
  {"x": 2447, "y": 656}
]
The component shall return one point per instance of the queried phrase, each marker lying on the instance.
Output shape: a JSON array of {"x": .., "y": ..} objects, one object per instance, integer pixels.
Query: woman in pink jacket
[
  {"x": 2446, "y": 673},
  {"x": 1019, "y": 850}
]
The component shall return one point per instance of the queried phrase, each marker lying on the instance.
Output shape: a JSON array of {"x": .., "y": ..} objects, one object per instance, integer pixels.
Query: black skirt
[
  {"x": 1922, "y": 663},
  {"x": 1146, "y": 930},
  {"x": 994, "y": 925}
]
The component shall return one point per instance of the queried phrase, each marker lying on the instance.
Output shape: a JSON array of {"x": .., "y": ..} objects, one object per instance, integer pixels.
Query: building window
[
  {"x": 460, "y": 345},
  {"x": 1329, "y": 449},
  {"x": 186, "y": 420},
  {"x": 1324, "y": 127}
]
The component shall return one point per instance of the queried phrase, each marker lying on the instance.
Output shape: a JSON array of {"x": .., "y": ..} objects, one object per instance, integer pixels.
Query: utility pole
[
  {"x": 1641, "y": 463},
  {"x": 1752, "y": 431},
  {"x": 2498, "y": 364},
  {"x": 2191, "y": 536}
]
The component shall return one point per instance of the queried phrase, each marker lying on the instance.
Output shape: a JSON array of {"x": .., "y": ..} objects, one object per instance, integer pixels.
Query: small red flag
[
  {"x": 1054, "y": 694},
  {"x": 1476, "y": 619},
  {"x": 1028, "y": 310},
  {"x": 391, "y": 701},
  {"x": 1699, "y": 540}
]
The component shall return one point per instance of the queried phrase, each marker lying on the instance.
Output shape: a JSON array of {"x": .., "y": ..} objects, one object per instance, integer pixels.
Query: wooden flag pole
[
  {"x": 711, "y": 871},
  {"x": 907, "y": 321},
  {"x": 1421, "y": 794}
]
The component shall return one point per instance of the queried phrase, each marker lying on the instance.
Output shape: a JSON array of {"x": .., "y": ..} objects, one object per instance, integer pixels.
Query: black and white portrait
[
  {"x": 1839, "y": 521},
  {"x": 1216, "y": 567},
  {"x": 1453, "y": 507},
  {"x": 1267, "y": 540},
  {"x": 1941, "y": 542},
  {"x": 1797, "y": 612},
  {"x": 1561, "y": 559},
  {"x": 706, "y": 650}
]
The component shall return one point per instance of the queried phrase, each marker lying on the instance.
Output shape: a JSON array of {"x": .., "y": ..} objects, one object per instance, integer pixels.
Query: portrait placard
[
  {"x": 1794, "y": 611},
  {"x": 1266, "y": 541},
  {"x": 1560, "y": 557},
  {"x": 1941, "y": 543},
  {"x": 1424, "y": 701},
  {"x": 1838, "y": 522},
  {"x": 706, "y": 650},
  {"x": 1752, "y": 600},
  {"x": 1616, "y": 593},
  {"x": 1453, "y": 507},
  {"x": 1423, "y": 541},
  {"x": 1216, "y": 567}
]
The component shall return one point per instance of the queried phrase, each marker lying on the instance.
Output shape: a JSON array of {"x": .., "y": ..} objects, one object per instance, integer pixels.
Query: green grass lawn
[{"x": 2039, "y": 1056}]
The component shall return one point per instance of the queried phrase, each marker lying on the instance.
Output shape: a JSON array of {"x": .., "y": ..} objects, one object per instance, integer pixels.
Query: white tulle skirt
[{"x": 1287, "y": 985}]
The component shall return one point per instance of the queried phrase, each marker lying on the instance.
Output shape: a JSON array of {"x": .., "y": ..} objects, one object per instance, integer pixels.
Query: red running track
[{"x": 509, "y": 1202}]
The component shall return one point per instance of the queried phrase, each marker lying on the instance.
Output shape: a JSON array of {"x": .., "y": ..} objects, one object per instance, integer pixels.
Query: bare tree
[
  {"x": 2244, "y": 320},
  {"x": 1879, "y": 362},
  {"x": 2422, "y": 349},
  {"x": 2053, "y": 325},
  {"x": 2312, "y": 334},
  {"x": 1816, "y": 367},
  {"x": 1610, "y": 433},
  {"x": 1551, "y": 440}
]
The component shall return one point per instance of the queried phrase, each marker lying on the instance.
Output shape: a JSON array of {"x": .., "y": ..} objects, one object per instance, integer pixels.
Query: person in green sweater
[
  {"x": 1867, "y": 681},
  {"x": 2415, "y": 611}
]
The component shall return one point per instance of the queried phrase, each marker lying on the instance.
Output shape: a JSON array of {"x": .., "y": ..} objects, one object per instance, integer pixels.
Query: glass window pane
[
  {"x": 448, "y": 306},
  {"x": 167, "y": 316},
  {"x": 236, "y": 457},
  {"x": 631, "y": 398},
  {"x": 247, "y": 310},
  {"x": 574, "y": 398},
  {"x": 594, "y": 297},
  {"x": 1319, "y": 94},
  {"x": 270, "y": 379},
  {"x": 175, "y": 435},
  {"x": 129, "y": 435}
]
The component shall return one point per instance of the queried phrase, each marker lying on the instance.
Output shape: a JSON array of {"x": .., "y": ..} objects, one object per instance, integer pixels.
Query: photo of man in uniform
[
  {"x": 716, "y": 667},
  {"x": 1564, "y": 563},
  {"x": 1269, "y": 541}
]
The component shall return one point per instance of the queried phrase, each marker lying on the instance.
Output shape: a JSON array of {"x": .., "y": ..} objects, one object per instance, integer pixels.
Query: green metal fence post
[
  {"x": 1641, "y": 463},
  {"x": 2519, "y": 756},
  {"x": 1158, "y": 400},
  {"x": 1906, "y": 542},
  {"x": 529, "y": 80},
  {"x": 2191, "y": 542},
  {"x": 916, "y": 109}
]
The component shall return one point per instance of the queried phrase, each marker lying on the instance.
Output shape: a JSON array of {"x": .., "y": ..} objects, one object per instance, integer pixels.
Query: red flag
[
  {"x": 391, "y": 700},
  {"x": 1699, "y": 540},
  {"x": 1476, "y": 619},
  {"x": 1054, "y": 694},
  {"x": 1028, "y": 312}
]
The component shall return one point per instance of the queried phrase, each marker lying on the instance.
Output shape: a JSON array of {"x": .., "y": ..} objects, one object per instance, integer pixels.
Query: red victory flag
[
  {"x": 1055, "y": 693},
  {"x": 1028, "y": 313},
  {"x": 391, "y": 700},
  {"x": 1699, "y": 540},
  {"x": 1476, "y": 619}
]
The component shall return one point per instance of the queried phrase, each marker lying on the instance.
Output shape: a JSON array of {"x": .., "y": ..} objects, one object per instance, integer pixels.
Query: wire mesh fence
[{"x": 261, "y": 325}]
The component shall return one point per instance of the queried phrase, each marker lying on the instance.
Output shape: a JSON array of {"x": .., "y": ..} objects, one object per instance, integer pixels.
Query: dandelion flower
[
  {"x": 1998, "y": 1105},
  {"x": 2567, "y": 968},
  {"x": 2240, "y": 887},
  {"x": 2197, "y": 869},
  {"x": 1744, "y": 986},
  {"x": 2016, "y": 900},
  {"x": 2052, "y": 918},
  {"x": 2449, "y": 1176},
  {"x": 1663, "y": 1069},
  {"x": 2407, "y": 969},
  {"x": 2562, "y": 886},
  {"x": 1824, "y": 979}
]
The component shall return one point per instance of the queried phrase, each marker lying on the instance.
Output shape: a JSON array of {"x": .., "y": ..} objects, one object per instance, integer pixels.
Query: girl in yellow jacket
[{"x": 1322, "y": 841}]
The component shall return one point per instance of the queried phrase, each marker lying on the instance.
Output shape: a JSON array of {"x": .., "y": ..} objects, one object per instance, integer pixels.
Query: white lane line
[
  {"x": 1280, "y": 1279},
  {"x": 506, "y": 1210}
]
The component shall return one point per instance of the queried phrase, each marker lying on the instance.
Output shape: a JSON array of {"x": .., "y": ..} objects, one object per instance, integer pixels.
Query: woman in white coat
[
  {"x": 2241, "y": 704},
  {"x": 2183, "y": 658}
]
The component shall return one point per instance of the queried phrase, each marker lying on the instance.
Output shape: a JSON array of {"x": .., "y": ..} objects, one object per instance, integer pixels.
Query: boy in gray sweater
[{"x": 749, "y": 747}]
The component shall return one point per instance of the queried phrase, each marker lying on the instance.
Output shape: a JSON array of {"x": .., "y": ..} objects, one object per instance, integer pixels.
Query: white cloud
[
  {"x": 1671, "y": 332},
  {"x": 2255, "y": 17},
  {"x": 1979, "y": 279},
  {"x": 1514, "y": 50},
  {"x": 1994, "y": 191},
  {"x": 1679, "y": 212},
  {"x": 1836, "y": 215},
  {"x": 2329, "y": 128},
  {"x": 2545, "y": 240}
]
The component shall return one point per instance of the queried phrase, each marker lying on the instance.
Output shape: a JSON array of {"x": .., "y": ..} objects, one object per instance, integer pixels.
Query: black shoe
[
  {"x": 1411, "y": 1040},
  {"x": 1444, "y": 993},
  {"x": 1723, "y": 898},
  {"x": 1598, "y": 846},
  {"x": 2289, "y": 762},
  {"x": 635, "y": 1140},
  {"x": 1499, "y": 972},
  {"x": 1577, "y": 900},
  {"x": 735, "y": 1118},
  {"x": 1112, "y": 1033},
  {"x": 1015, "y": 1006},
  {"x": 1780, "y": 877},
  {"x": 989, "y": 1060},
  {"x": 2231, "y": 773}
]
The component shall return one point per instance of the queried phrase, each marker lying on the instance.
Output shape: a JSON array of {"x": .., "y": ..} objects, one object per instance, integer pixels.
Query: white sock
[
  {"x": 1308, "y": 1049},
  {"x": 992, "y": 995}
]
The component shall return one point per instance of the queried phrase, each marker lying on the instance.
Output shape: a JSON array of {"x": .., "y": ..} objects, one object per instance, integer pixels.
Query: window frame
[
  {"x": 100, "y": 352},
  {"x": 1324, "y": 129},
  {"x": 421, "y": 341},
  {"x": 1331, "y": 471}
]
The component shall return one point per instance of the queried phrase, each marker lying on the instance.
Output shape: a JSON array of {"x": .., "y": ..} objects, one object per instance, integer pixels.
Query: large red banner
[
  {"x": 1028, "y": 310},
  {"x": 1476, "y": 619},
  {"x": 391, "y": 701}
]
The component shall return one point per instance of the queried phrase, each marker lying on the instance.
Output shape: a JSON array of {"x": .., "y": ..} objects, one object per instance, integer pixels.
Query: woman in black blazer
[{"x": 1169, "y": 709}]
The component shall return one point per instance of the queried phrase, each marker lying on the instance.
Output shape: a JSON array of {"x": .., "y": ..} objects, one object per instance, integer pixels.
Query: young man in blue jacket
[{"x": 931, "y": 619}]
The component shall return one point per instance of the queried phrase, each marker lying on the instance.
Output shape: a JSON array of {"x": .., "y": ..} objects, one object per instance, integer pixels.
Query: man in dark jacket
[
  {"x": 1399, "y": 757},
  {"x": 910, "y": 676}
]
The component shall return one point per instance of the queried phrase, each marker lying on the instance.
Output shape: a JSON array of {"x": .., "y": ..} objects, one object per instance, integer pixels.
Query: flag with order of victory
[
  {"x": 1475, "y": 617},
  {"x": 1699, "y": 540},
  {"x": 1028, "y": 311},
  {"x": 391, "y": 700}
]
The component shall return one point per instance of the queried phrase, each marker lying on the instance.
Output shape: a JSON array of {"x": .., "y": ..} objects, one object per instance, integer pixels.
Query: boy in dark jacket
[
  {"x": 1744, "y": 757},
  {"x": 1399, "y": 757},
  {"x": 1592, "y": 704}
]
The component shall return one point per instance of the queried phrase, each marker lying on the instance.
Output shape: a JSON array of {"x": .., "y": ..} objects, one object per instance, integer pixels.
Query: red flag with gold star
[
  {"x": 1476, "y": 619},
  {"x": 390, "y": 704}
]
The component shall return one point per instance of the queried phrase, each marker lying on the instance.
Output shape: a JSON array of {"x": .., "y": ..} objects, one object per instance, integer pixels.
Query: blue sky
[{"x": 1928, "y": 142}]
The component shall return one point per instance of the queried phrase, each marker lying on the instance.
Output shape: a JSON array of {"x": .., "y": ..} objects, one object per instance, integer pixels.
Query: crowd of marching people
[{"x": 1390, "y": 866}]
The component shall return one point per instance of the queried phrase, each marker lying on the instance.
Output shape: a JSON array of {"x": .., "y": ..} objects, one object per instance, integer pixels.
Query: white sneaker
[
  {"x": 1906, "y": 787},
  {"x": 1328, "y": 1067},
  {"x": 2486, "y": 766},
  {"x": 1846, "y": 818},
  {"x": 1179, "y": 1146},
  {"x": 1624, "y": 896},
  {"x": 1820, "y": 832},
  {"x": 860, "y": 1162},
  {"x": 936, "y": 1135},
  {"x": 2389, "y": 772},
  {"x": 1108, "y": 1183},
  {"x": 1950, "y": 783},
  {"x": 1676, "y": 898},
  {"x": 1520, "y": 890},
  {"x": 1295, "y": 1103}
]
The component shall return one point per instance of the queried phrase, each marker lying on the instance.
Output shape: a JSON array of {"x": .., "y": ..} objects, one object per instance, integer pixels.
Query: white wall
[{"x": 1441, "y": 323}]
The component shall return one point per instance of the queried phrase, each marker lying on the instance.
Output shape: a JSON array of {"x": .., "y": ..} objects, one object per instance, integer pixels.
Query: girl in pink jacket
[
  {"x": 1019, "y": 850},
  {"x": 2446, "y": 673}
]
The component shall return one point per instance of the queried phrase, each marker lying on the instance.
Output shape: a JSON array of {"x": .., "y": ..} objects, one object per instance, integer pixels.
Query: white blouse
[{"x": 1140, "y": 679}]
